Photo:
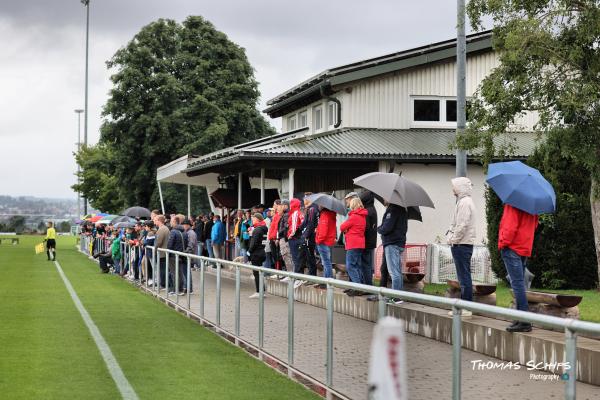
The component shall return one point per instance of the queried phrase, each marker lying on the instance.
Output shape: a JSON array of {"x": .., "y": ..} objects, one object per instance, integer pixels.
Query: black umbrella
[
  {"x": 122, "y": 218},
  {"x": 124, "y": 224},
  {"x": 137, "y": 212},
  {"x": 413, "y": 212},
  {"x": 329, "y": 202},
  {"x": 395, "y": 189}
]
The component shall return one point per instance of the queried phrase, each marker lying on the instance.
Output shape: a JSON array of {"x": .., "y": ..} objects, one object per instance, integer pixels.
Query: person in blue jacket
[
  {"x": 217, "y": 236},
  {"x": 393, "y": 237}
]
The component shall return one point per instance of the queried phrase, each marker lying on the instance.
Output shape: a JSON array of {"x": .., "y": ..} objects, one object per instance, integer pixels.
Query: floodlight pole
[
  {"x": 78, "y": 111},
  {"x": 86, "y": 3},
  {"x": 461, "y": 86}
]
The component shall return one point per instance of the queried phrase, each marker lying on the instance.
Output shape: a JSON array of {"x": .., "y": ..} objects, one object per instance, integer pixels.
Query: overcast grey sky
[{"x": 43, "y": 50}]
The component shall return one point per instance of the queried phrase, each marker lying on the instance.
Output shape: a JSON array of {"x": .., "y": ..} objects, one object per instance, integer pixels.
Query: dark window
[
  {"x": 426, "y": 110},
  {"x": 451, "y": 110}
]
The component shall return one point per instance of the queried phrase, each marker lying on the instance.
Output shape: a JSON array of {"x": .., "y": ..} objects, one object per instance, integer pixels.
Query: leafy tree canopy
[
  {"x": 549, "y": 63},
  {"x": 549, "y": 53},
  {"x": 178, "y": 89}
]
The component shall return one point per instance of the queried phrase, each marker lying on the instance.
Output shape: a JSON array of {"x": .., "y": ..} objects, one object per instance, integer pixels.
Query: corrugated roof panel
[
  {"x": 361, "y": 142},
  {"x": 375, "y": 142}
]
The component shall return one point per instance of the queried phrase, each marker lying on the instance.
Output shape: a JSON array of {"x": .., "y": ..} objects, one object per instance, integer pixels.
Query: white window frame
[
  {"x": 442, "y": 123},
  {"x": 292, "y": 119},
  {"x": 331, "y": 123},
  {"x": 314, "y": 111},
  {"x": 305, "y": 115}
]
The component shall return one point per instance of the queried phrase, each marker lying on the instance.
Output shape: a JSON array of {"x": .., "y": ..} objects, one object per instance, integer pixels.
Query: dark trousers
[
  {"x": 295, "y": 253},
  {"x": 162, "y": 271},
  {"x": 149, "y": 266},
  {"x": 172, "y": 268},
  {"x": 256, "y": 275},
  {"x": 105, "y": 263},
  {"x": 276, "y": 256},
  {"x": 51, "y": 244},
  {"x": 366, "y": 265},
  {"x": 306, "y": 258},
  {"x": 462, "y": 260}
]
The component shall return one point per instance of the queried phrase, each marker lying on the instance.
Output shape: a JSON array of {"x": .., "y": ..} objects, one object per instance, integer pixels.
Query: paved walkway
[{"x": 429, "y": 361}]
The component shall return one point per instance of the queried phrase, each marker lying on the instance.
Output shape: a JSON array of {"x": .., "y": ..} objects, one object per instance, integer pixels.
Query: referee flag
[{"x": 39, "y": 248}]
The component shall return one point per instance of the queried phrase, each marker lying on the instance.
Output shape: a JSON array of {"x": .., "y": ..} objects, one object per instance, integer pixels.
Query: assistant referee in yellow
[{"x": 50, "y": 242}]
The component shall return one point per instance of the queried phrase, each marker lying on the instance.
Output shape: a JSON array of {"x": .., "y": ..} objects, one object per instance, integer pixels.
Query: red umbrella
[{"x": 96, "y": 218}]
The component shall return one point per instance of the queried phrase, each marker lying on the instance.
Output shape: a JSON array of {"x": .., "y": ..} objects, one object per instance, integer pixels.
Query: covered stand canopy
[
  {"x": 228, "y": 198},
  {"x": 172, "y": 173}
]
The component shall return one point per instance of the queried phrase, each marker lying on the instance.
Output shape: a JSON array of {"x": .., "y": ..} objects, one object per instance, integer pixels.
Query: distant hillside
[{"x": 37, "y": 207}]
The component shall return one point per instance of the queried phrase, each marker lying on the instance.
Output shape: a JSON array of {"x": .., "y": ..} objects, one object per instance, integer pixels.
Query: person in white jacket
[{"x": 461, "y": 235}]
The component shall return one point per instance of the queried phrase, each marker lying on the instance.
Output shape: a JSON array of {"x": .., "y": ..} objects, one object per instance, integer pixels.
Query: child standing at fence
[{"x": 50, "y": 242}]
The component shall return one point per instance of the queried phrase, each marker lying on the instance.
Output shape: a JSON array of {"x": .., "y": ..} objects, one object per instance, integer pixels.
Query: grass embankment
[{"x": 48, "y": 352}]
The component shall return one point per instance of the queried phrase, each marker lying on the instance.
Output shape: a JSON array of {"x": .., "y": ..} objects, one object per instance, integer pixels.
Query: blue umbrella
[{"x": 522, "y": 187}]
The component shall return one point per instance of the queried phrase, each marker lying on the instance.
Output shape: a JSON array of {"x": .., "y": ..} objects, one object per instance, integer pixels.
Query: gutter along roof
[{"x": 310, "y": 90}]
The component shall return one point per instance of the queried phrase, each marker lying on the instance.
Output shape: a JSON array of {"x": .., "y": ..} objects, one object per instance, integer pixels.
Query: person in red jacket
[
  {"x": 354, "y": 232},
  {"x": 294, "y": 233},
  {"x": 515, "y": 242},
  {"x": 272, "y": 235},
  {"x": 325, "y": 238}
]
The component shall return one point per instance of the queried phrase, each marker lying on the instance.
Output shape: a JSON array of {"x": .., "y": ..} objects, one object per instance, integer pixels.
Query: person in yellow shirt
[{"x": 50, "y": 242}]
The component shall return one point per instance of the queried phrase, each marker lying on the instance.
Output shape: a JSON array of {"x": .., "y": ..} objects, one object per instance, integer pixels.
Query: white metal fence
[{"x": 441, "y": 265}]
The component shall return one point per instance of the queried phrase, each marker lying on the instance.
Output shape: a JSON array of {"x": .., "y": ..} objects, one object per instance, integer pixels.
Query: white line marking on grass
[{"x": 114, "y": 369}]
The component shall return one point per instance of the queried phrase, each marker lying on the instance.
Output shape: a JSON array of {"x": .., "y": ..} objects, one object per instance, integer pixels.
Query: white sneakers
[
  {"x": 256, "y": 295},
  {"x": 463, "y": 313}
]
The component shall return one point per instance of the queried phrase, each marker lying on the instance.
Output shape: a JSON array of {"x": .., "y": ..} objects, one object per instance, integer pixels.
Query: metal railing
[{"x": 571, "y": 327}]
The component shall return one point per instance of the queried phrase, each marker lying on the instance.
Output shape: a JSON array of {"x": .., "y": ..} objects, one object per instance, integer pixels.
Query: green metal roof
[
  {"x": 417, "y": 145},
  {"x": 381, "y": 144}
]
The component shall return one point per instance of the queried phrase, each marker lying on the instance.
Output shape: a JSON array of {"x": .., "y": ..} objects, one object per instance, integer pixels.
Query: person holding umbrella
[
  {"x": 525, "y": 194},
  {"x": 461, "y": 237},
  {"x": 515, "y": 242},
  {"x": 393, "y": 228}
]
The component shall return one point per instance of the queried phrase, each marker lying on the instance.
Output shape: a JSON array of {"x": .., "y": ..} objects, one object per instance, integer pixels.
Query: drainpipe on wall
[{"x": 338, "y": 121}]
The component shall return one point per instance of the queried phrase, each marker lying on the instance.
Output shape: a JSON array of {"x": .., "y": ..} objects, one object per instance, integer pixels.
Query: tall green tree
[
  {"x": 549, "y": 54},
  {"x": 178, "y": 89}
]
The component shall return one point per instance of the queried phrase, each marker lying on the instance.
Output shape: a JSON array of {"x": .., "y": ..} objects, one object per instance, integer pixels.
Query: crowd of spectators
[{"x": 291, "y": 235}]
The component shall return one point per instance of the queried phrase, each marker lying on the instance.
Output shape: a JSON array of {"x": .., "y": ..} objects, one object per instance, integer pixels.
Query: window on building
[
  {"x": 291, "y": 125},
  {"x": 318, "y": 118},
  {"x": 426, "y": 110},
  {"x": 303, "y": 119},
  {"x": 435, "y": 111},
  {"x": 451, "y": 110},
  {"x": 331, "y": 114}
]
